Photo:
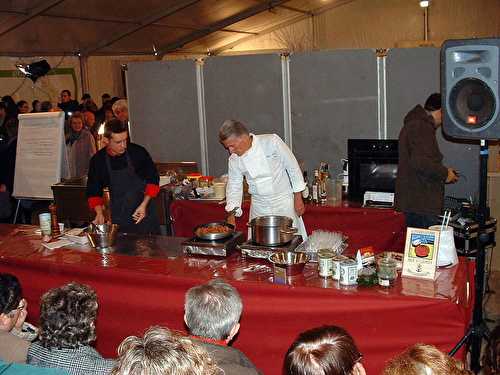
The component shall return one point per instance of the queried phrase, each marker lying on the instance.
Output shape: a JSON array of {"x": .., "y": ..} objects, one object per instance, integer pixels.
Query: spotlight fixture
[
  {"x": 34, "y": 70},
  {"x": 424, "y": 3}
]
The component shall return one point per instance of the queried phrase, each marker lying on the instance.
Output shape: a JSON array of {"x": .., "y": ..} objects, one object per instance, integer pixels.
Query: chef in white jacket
[{"x": 273, "y": 175}]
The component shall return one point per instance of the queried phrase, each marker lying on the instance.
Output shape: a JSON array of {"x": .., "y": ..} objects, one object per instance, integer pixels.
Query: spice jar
[
  {"x": 325, "y": 262},
  {"x": 386, "y": 271}
]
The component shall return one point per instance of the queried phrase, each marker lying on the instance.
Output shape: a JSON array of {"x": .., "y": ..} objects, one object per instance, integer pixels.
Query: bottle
[
  {"x": 324, "y": 170},
  {"x": 323, "y": 195},
  {"x": 305, "y": 193},
  {"x": 54, "y": 223},
  {"x": 316, "y": 186}
]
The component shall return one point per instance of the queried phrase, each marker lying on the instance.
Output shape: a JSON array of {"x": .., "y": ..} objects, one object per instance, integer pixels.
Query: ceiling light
[{"x": 424, "y": 3}]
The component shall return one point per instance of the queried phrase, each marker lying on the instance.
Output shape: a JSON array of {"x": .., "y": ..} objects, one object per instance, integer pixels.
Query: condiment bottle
[
  {"x": 316, "y": 186},
  {"x": 306, "y": 193},
  {"x": 54, "y": 223}
]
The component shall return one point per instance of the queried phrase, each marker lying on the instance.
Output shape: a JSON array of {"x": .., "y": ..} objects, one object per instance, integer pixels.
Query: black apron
[{"x": 126, "y": 194}]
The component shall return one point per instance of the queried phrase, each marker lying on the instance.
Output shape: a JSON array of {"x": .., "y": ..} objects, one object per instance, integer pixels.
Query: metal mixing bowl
[
  {"x": 294, "y": 263},
  {"x": 102, "y": 236}
]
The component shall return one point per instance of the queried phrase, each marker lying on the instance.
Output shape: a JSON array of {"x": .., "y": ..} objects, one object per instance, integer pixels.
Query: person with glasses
[
  {"x": 326, "y": 350},
  {"x": 15, "y": 333}
]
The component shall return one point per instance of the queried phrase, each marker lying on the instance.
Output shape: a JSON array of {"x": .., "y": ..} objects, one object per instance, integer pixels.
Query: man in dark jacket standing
[{"x": 421, "y": 173}]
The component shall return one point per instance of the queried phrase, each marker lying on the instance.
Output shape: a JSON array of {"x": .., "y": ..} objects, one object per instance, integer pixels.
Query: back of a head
[
  {"x": 114, "y": 126},
  {"x": 232, "y": 128},
  {"x": 67, "y": 316},
  {"x": 421, "y": 359},
  {"x": 433, "y": 102},
  {"x": 46, "y": 106},
  {"x": 212, "y": 309},
  {"x": 10, "y": 293},
  {"x": 327, "y": 350},
  {"x": 162, "y": 352},
  {"x": 120, "y": 104}
]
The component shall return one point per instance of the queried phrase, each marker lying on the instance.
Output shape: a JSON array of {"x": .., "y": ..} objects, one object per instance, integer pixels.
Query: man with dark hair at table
[
  {"x": 212, "y": 313},
  {"x": 421, "y": 173},
  {"x": 67, "y": 331},
  {"x": 15, "y": 333},
  {"x": 131, "y": 176}
]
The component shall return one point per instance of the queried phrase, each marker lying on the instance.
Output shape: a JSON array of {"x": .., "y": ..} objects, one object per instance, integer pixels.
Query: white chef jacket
[{"x": 273, "y": 176}]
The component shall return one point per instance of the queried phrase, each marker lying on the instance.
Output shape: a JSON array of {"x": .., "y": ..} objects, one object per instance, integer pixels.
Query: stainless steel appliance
[
  {"x": 222, "y": 248},
  {"x": 254, "y": 250}
]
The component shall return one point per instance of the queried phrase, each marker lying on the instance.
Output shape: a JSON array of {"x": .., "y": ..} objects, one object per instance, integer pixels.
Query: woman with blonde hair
[
  {"x": 421, "y": 359},
  {"x": 163, "y": 352},
  {"x": 80, "y": 145}
]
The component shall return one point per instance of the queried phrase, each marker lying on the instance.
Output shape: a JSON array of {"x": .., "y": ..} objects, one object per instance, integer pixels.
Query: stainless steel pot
[{"x": 272, "y": 230}]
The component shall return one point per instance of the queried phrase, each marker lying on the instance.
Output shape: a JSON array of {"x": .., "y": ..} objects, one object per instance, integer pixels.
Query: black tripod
[{"x": 478, "y": 330}]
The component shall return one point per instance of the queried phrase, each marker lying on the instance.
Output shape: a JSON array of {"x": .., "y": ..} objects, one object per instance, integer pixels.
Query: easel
[
  {"x": 19, "y": 204},
  {"x": 41, "y": 157}
]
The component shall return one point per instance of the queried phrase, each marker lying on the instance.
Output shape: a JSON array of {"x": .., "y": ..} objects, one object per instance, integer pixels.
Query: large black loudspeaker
[{"x": 470, "y": 88}]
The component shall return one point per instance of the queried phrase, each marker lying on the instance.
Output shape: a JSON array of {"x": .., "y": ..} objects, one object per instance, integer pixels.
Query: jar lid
[{"x": 326, "y": 253}]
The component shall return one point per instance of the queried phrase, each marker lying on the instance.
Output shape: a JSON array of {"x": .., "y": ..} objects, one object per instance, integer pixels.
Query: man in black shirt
[
  {"x": 131, "y": 176},
  {"x": 68, "y": 105}
]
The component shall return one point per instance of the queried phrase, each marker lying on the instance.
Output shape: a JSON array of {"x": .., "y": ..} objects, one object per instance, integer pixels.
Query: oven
[{"x": 373, "y": 165}]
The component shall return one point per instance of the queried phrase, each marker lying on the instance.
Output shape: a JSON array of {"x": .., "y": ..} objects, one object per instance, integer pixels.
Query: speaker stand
[{"x": 478, "y": 329}]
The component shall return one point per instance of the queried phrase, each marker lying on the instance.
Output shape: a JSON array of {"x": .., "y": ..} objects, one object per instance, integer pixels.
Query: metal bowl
[
  {"x": 102, "y": 236},
  {"x": 294, "y": 263},
  {"x": 213, "y": 236}
]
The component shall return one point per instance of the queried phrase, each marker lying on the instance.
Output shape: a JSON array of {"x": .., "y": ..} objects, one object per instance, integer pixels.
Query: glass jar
[{"x": 386, "y": 271}]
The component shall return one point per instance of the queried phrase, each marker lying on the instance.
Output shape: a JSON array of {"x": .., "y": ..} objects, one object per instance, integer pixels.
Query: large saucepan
[{"x": 272, "y": 230}]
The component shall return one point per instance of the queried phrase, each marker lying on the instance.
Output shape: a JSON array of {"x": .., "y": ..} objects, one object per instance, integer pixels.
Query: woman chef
[{"x": 273, "y": 175}]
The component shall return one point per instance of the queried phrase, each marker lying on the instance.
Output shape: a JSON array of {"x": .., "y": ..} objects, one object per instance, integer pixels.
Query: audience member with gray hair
[
  {"x": 120, "y": 109},
  {"x": 67, "y": 330},
  {"x": 212, "y": 315},
  {"x": 163, "y": 352}
]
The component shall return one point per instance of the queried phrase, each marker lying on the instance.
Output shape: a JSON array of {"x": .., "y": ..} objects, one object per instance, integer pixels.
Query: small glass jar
[
  {"x": 386, "y": 271},
  {"x": 203, "y": 182}
]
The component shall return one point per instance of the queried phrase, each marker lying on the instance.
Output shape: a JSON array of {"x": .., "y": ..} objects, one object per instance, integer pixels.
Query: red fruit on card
[{"x": 422, "y": 251}]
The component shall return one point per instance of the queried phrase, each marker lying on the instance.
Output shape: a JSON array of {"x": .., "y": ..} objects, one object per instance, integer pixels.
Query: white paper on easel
[{"x": 40, "y": 154}]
